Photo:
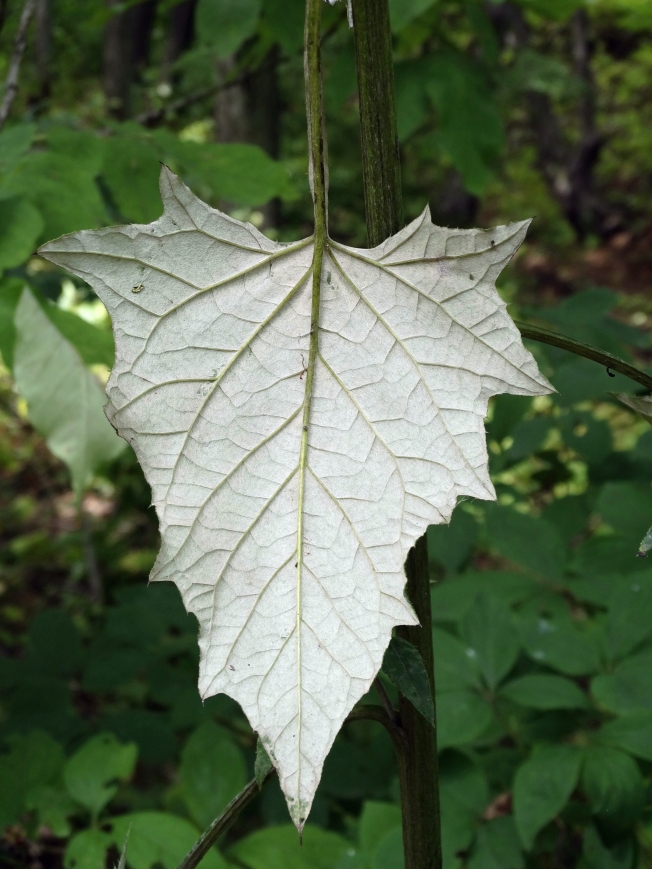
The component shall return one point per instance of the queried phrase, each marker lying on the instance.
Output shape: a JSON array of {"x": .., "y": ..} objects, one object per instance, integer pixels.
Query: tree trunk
[
  {"x": 181, "y": 32},
  {"x": 125, "y": 51},
  {"x": 43, "y": 47}
]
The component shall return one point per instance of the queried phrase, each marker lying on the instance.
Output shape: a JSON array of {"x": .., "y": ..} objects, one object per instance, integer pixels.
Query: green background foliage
[{"x": 542, "y": 613}]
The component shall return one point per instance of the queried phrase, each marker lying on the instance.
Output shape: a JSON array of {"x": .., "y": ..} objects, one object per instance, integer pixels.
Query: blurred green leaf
[
  {"x": 529, "y": 541},
  {"x": 131, "y": 169},
  {"x": 225, "y": 24},
  {"x": 279, "y": 848},
  {"x": 211, "y": 773},
  {"x": 284, "y": 18},
  {"x": 541, "y": 691},
  {"x": 628, "y": 688},
  {"x": 558, "y": 10},
  {"x": 507, "y": 412},
  {"x": 159, "y": 839},
  {"x": 54, "y": 643},
  {"x": 390, "y": 854},
  {"x": 90, "y": 773},
  {"x": 404, "y": 666},
  {"x": 462, "y": 717},
  {"x": 470, "y": 129},
  {"x": 401, "y": 12},
  {"x": 641, "y": 404},
  {"x": 21, "y": 225},
  {"x": 632, "y": 733},
  {"x": 491, "y": 637},
  {"x": 598, "y": 856},
  {"x": 376, "y": 821},
  {"x": 14, "y": 142},
  {"x": 33, "y": 759},
  {"x": 464, "y": 793},
  {"x": 11, "y": 290},
  {"x": 150, "y": 731},
  {"x": 629, "y": 621},
  {"x": 614, "y": 787},
  {"x": 627, "y": 508},
  {"x": 591, "y": 439},
  {"x": 453, "y": 597},
  {"x": 552, "y": 637},
  {"x": 542, "y": 787},
  {"x": 582, "y": 379},
  {"x": 497, "y": 846},
  {"x": 411, "y": 99},
  {"x": 87, "y": 850},
  {"x": 53, "y": 806},
  {"x": 450, "y": 545},
  {"x": 65, "y": 403},
  {"x": 455, "y": 665}
]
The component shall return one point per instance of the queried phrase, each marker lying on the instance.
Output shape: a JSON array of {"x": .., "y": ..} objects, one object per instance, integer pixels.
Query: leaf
[
  {"x": 455, "y": 664},
  {"x": 632, "y": 733},
  {"x": 262, "y": 765},
  {"x": 14, "y": 142},
  {"x": 11, "y": 290},
  {"x": 390, "y": 853},
  {"x": 529, "y": 541},
  {"x": 87, "y": 850},
  {"x": 553, "y": 638},
  {"x": 645, "y": 545},
  {"x": 627, "y": 508},
  {"x": 212, "y": 772},
  {"x": 159, "y": 839},
  {"x": 404, "y": 666},
  {"x": 452, "y": 598},
  {"x": 21, "y": 227},
  {"x": 598, "y": 856},
  {"x": 34, "y": 759},
  {"x": 541, "y": 691},
  {"x": 470, "y": 128},
  {"x": 54, "y": 643},
  {"x": 65, "y": 403},
  {"x": 376, "y": 821},
  {"x": 89, "y": 774},
  {"x": 225, "y": 24},
  {"x": 629, "y": 621},
  {"x": 131, "y": 169},
  {"x": 628, "y": 688},
  {"x": 279, "y": 848},
  {"x": 497, "y": 846},
  {"x": 53, "y": 806},
  {"x": 288, "y": 543},
  {"x": 490, "y": 633},
  {"x": 462, "y": 718},
  {"x": 542, "y": 787},
  {"x": 450, "y": 545},
  {"x": 401, "y": 12},
  {"x": 614, "y": 787},
  {"x": 640, "y": 403},
  {"x": 284, "y": 19},
  {"x": 464, "y": 796}
]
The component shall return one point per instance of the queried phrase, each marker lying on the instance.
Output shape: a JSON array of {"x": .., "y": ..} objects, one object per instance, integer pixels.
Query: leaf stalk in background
[
  {"x": 417, "y": 755},
  {"x": 11, "y": 84}
]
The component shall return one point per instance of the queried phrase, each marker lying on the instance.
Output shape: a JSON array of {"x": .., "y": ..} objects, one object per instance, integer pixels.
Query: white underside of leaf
[{"x": 212, "y": 325}]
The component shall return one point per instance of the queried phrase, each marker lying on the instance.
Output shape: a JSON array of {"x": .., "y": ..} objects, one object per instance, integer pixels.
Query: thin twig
[
  {"x": 385, "y": 698},
  {"x": 11, "y": 84},
  {"x": 611, "y": 363}
]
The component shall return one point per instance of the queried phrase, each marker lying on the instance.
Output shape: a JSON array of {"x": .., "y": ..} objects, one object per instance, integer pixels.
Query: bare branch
[{"x": 11, "y": 84}]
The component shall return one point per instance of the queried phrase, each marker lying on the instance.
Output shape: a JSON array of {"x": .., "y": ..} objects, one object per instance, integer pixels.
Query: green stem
[
  {"x": 417, "y": 750},
  {"x": 536, "y": 333},
  {"x": 222, "y": 823}
]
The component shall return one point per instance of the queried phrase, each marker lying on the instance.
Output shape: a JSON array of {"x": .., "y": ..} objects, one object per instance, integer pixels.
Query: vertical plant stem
[
  {"x": 381, "y": 167},
  {"x": 11, "y": 83},
  {"x": 418, "y": 772}
]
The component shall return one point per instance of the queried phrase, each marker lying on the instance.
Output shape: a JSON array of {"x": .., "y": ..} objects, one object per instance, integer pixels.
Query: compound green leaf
[
  {"x": 90, "y": 773},
  {"x": 293, "y": 467},
  {"x": 492, "y": 638},
  {"x": 542, "y": 787},
  {"x": 65, "y": 402},
  {"x": 211, "y": 773}
]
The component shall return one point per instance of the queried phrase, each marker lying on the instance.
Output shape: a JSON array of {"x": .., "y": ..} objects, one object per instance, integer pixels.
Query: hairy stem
[
  {"x": 417, "y": 749},
  {"x": 611, "y": 363},
  {"x": 11, "y": 83}
]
